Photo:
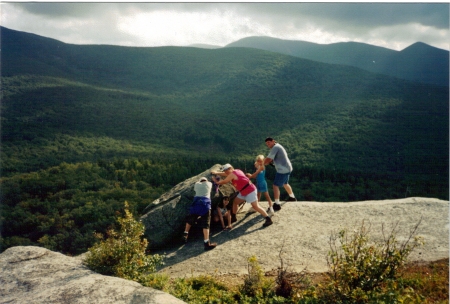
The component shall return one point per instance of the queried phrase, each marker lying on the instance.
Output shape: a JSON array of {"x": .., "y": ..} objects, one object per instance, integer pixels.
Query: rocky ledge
[{"x": 31, "y": 274}]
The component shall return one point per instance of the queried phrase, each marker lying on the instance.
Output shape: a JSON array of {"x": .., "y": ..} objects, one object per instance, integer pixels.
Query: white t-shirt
[{"x": 203, "y": 189}]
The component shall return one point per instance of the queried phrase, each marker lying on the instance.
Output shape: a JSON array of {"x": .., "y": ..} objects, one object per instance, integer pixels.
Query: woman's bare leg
[{"x": 258, "y": 208}]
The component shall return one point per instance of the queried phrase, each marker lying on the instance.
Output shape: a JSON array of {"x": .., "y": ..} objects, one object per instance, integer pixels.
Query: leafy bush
[
  {"x": 123, "y": 252},
  {"x": 160, "y": 281},
  {"x": 360, "y": 268},
  {"x": 199, "y": 290},
  {"x": 255, "y": 284}
]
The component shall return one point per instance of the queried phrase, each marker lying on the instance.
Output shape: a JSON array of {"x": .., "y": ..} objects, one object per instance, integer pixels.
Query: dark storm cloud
[
  {"x": 61, "y": 9},
  {"x": 366, "y": 14}
]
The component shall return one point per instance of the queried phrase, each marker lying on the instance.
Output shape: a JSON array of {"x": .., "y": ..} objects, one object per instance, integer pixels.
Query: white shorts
[{"x": 249, "y": 198}]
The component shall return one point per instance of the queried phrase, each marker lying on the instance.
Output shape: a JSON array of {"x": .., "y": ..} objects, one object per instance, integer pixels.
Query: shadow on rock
[{"x": 177, "y": 251}]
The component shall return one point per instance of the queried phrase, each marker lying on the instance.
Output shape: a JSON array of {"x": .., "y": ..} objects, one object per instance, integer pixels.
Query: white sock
[
  {"x": 206, "y": 241},
  {"x": 271, "y": 209},
  {"x": 292, "y": 195},
  {"x": 277, "y": 201}
]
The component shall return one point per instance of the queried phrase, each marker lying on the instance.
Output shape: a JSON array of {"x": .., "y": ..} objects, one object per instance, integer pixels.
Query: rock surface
[
  {"x": 301, "y": 232},
  {"x": 299, "y": 235},
  {"x": 36, "y": 275},
  {"x": 165, "y": 218}
]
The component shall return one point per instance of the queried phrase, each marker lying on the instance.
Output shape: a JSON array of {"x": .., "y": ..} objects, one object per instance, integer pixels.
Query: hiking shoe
[
  {"x": 276, "y": 207},
  {"x": 185, "y": 237},
  {"x": 291, "y": 199},
  {"x": 268, "y": 222},
  {"x": 210, "y": 246}
]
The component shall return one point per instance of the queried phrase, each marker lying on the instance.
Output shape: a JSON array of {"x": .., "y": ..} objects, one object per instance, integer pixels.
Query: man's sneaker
[
  {"x": 210, "y": 246},
  {"x": 291, "y": 199},
  {"x": 185, "y": 237},
  {"x": 268, "y": 222},
  {"x": 276, "y": 207}
]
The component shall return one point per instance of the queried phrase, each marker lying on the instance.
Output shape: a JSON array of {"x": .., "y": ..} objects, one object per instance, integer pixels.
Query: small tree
[
  {"x": 255, "y": 284},
  {"x": 123, "y": 252},
  {"x": 360, "y": 267}
]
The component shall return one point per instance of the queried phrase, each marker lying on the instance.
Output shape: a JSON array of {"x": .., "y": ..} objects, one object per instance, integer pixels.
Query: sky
[{"x": 153, "y": 24}]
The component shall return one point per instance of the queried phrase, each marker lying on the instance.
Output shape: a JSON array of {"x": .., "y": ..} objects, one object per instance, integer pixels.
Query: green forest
[{"x": 85, "y": 128}]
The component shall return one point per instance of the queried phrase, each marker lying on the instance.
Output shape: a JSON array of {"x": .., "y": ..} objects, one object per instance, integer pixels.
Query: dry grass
[{"x": 431, "y": 280}]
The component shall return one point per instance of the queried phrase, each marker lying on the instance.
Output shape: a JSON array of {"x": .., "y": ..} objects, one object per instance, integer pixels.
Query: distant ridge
[
  {"x": 419, "y": 62},
  {"x": 205, "y": 46}
]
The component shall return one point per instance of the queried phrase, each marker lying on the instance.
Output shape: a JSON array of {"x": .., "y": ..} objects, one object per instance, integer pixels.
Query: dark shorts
[
  {"x": 203, "y": 222},
  {"x": 281, "y": 179}
]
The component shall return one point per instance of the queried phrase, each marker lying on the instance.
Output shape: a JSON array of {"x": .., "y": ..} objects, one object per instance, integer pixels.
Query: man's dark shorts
[
  {"x": 281, "y": 179},
  {"x": 203, "y": 222}
]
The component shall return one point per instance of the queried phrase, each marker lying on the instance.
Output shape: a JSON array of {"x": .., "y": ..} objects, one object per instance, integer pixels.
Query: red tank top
[{"x": 241, "y": 183}]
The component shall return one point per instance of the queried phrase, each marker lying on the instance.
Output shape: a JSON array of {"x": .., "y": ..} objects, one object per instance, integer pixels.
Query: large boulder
[
  {"x": 165, "y": 218},
  {"x": 31, "y": 274}
]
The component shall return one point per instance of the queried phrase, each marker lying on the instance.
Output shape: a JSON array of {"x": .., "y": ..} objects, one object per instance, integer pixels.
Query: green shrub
[
  {"x": 160, "y": 281},
  {"x": 123, "y": 252},
  {"x": 362, "y": 271},
  {"x": 255, "y": 284},
  {"x": 200, "y": 290}
]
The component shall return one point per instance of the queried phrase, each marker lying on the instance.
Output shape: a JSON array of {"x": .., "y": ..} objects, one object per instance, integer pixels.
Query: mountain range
[
  {"x": 69, "y": 103},
  {"x": 419, "y": 62}
]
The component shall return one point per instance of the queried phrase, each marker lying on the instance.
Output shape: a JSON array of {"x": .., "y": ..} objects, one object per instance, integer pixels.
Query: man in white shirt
[{"x": 201, "y": 207}]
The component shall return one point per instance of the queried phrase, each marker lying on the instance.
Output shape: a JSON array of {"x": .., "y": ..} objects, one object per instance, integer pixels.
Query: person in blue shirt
[
  {"x": 283, "y": 166},
  {"x": 261, "y": 183}
]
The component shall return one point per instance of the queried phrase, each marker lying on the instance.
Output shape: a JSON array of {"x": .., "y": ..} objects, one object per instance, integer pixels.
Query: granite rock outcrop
[{"x": 30, "y": 274}]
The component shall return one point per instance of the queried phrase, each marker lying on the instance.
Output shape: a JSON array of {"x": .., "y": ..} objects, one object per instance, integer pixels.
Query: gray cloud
[
  {"x": 366, "y": 14},
  {"x": 61, "y": 9},
  {"x": 364, "y": 22},
  {"x": 375, "y": 14}
]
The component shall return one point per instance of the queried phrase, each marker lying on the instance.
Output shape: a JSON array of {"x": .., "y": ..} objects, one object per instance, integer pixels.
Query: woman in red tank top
[{"x": 247, "y": 191}]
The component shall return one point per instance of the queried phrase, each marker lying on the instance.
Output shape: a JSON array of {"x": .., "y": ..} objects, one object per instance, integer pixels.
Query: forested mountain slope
[
  {"x": 224, "y": 100},
  {"x": 418, "y": 62}
]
